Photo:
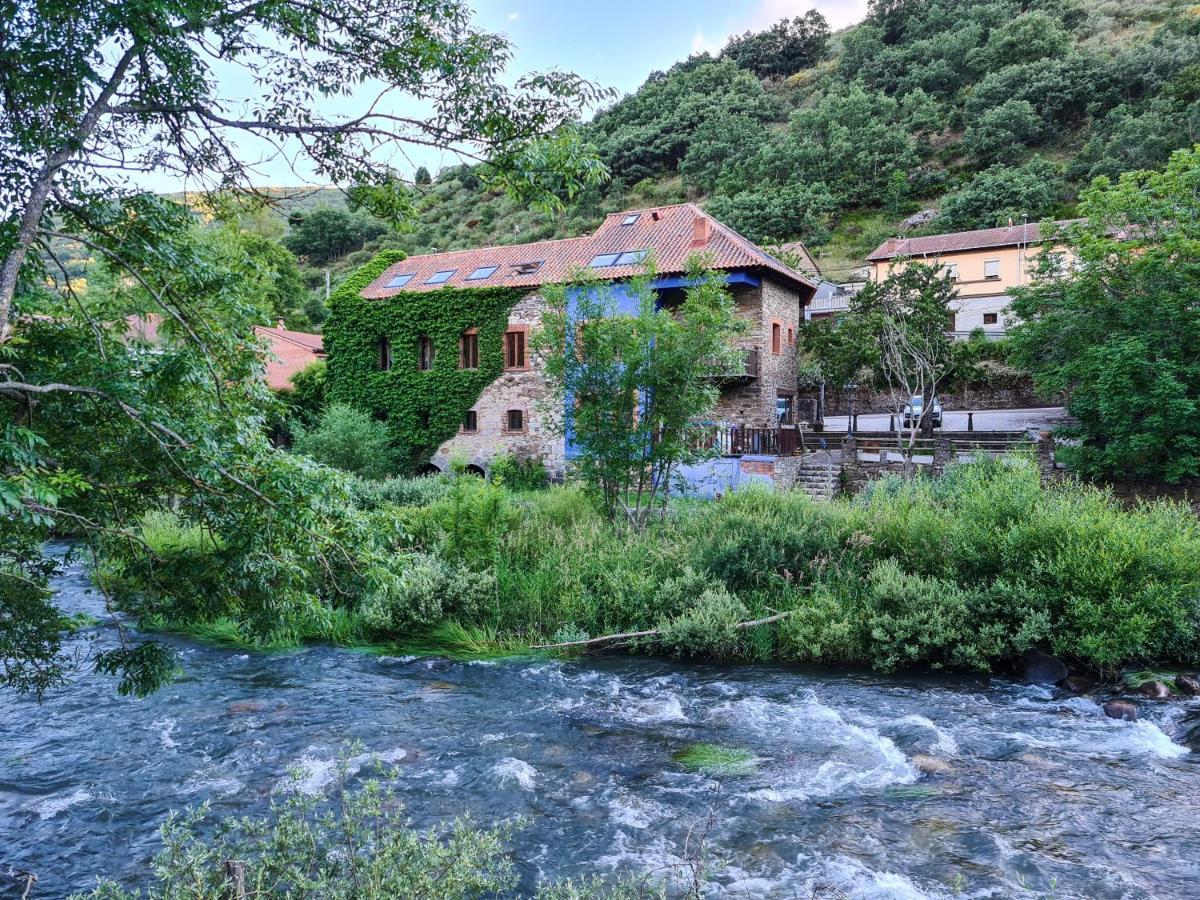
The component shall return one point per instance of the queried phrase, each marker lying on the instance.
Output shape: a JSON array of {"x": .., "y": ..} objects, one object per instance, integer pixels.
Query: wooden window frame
[
  {"x": 791, "y": 335},
  {"x": 790, "y": 395},
  {"x": 523, "y": 330},
  {"x": 995, "y": 317},
  {"x": 383, "y": 350},
  {"x": 504, "y": 422},
  {"x": 474, "y": 429},
  {"x": 776, "y": 337},
  {"x": 423, "y": 342},
  {"x": 462, "y": 349}
]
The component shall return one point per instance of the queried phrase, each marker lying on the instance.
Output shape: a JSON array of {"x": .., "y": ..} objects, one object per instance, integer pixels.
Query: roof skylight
[
  {"x": 630, "y": 219},
  {"x": 441, "y": 277},
  {"x": 400, "y": 281},
  {"x": 482, "y": 272},
  {"x": 631, "y": 258},
  {"x": 605, "y": 259}
]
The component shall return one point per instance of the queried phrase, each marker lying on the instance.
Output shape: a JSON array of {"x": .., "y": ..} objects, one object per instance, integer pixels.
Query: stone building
[{"x": 512, "y": 413}]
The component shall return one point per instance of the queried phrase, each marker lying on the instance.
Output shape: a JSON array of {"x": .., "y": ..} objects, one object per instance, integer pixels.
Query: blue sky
[{"x": 616, "y": 43}]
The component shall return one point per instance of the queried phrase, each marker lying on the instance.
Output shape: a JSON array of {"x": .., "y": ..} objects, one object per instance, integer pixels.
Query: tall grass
[{"x": 964, "y": 572}]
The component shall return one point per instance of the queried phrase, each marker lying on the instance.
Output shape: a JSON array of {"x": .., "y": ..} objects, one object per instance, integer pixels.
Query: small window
[
  {"x": 991, "y": 318},
  {"x": 952, "y": 271},
  {"x": 425, "y": 353},
  {"x": 385, "y": 355},
  {"x": 791, "y": 335},
  {"x": 401, "y": 280},
  {"x": 604, "y": 259},
  {"x": 631, "y": 258},
  {"x": 468, "y": 349},
  {"x": 775, "y": 337},
  {"x": 482, "y": 272},
  {"x": 514, "y": 420},
  {"x": 527, "y": 268},
  {"x": 991, "y": 269},
  {"x": 785, "y": 407},
  {"x": 629, "y": 219},
  {"x": 515, "y": 351},
  {"x": 441, "y": 277},
  {"x": 470, "y": 422}
]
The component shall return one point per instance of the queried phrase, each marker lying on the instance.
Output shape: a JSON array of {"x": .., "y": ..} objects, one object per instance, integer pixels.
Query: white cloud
[
  {"x": 513, "y": 16},
  {"x": 702, "y": 44}
]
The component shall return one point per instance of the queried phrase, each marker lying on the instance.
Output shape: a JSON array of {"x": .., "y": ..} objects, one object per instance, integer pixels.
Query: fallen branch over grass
[{"x": 596, "y": 642}]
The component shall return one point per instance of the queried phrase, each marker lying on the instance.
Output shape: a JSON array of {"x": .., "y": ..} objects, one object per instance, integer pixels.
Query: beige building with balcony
[{"x": 985, "y": 265}]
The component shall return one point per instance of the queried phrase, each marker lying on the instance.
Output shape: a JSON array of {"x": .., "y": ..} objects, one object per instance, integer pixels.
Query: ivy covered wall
[{"x": 422, "y": 409}]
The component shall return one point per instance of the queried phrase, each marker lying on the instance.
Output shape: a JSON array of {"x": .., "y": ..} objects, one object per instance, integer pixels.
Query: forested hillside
[{"x": 983, "y": 109}]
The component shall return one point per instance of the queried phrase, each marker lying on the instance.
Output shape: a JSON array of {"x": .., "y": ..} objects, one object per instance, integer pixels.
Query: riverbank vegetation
[
  {"x": 355, "y": 844},
  {"x": 965, "y": 572}
]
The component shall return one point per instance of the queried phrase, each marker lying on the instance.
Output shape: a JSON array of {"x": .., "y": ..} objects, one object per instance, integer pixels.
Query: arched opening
[
  {"x": 428, "y": 469},
  {"x": 474, "y": 470}
]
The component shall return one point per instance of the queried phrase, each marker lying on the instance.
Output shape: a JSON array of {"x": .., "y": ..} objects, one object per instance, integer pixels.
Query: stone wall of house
[
  {"x": 1010, "y": 395},
  {"x": 753, "y": 403},
  {"x": 524, "y": 390}
]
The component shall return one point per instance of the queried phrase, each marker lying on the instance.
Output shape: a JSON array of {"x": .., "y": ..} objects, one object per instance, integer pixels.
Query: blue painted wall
[{"x": 624, "y": 301}]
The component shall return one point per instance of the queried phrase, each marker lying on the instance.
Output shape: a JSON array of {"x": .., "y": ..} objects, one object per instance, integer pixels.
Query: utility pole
[{"x": 326, "y": 287}]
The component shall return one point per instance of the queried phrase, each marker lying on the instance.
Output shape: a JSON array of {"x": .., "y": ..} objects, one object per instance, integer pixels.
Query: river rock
[
  {"x": 1155, "y": 690},
  {"x": 1188, "y": 685},
  {"x": 929, "y": 765},
  {"x": 1079, "y": 684},
  {"x": 1041, "y": 668},
  {"x": 1121, "y": 709}
]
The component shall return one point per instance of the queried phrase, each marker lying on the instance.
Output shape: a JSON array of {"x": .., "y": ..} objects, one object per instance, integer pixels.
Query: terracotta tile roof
[
  {"x": 958, "y": 241},
  {"x": 290, "y": 352},
  {"x": 671, "y": 233}
]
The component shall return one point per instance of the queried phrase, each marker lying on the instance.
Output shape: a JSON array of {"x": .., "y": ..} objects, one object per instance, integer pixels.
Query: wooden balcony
[{"x": 745, "y": 373}]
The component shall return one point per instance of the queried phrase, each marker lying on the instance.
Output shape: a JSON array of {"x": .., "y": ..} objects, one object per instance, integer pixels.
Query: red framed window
[
  {"x": 516, "y": 349},
  {"x": 468, "y": 349},
  {"x": 514, "y": 421},
  {"x": 776, "y": 336}
]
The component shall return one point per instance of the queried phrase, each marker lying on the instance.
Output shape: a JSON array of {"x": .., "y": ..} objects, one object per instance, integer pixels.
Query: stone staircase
[{"x": 818, "y": 476}]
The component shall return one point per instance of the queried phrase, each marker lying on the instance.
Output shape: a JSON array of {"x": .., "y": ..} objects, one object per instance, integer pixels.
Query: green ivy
[{"x": 422, "y": 409}]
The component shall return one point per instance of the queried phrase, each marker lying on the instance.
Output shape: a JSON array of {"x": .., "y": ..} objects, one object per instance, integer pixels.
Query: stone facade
[
  {"x": 753, "y": 402},
  {"x": 749, "y": 403},
  {"x": 525, "y": 390}
]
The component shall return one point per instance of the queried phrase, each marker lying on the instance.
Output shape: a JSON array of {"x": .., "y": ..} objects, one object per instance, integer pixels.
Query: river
[{"x": 1040, "y": 796}]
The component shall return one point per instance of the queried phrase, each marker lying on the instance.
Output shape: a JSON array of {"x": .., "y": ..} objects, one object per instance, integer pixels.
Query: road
[{"x": 956, "y": 420}]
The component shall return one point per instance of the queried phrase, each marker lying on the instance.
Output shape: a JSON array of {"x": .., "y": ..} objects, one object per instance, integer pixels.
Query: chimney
[
  {"x": 654, "y": 215},
  {"x": 279, "y": 324},
  {"x": 701, "y": 230}
]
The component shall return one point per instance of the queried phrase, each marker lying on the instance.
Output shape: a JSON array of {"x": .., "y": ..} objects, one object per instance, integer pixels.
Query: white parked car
[{"x": 912, "y": 412}]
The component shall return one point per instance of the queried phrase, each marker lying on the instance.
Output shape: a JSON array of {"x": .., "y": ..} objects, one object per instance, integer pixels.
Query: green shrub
[
  {"x": 708, "y": 628},
  {"x": 518, "y": 473},
  {"x": 369, "y": 494},
  {"x": 347, "y": 439},
  {"x": 427, "y": 591}
]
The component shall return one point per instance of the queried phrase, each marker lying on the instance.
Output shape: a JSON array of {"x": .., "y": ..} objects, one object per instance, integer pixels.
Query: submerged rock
[
  {"x": 1042, "y": 668},
  {"x": 1079, "y": 684},
  {"x": 1155, "y": 690},
  {"x": 1121, "y": 709},
  {"x": 1188, "y": 685},
  {"x": 929, "y": 765}
]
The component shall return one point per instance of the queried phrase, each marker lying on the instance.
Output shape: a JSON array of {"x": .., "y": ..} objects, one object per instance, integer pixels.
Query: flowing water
[{"x": 1040, "y": 795}]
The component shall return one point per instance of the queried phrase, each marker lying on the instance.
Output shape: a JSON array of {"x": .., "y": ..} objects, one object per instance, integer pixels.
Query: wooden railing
[
  {"x": 751, "y": 366},
  {"x": 789, "y": 440}
]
